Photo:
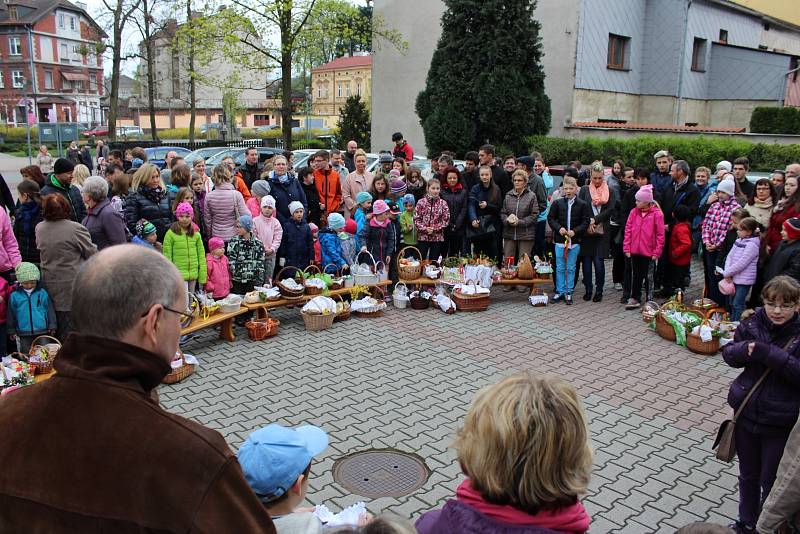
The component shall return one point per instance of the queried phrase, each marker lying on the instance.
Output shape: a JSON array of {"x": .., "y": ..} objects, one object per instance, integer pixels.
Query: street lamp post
[
  {"x": 26, "y": 84},
  {"x": 308, "y": 110}
]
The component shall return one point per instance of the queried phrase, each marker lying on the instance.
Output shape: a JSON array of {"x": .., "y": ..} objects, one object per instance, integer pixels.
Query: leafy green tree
[
  {"x": 354, "y": 122},
  {"x": 486, "y": 81}
]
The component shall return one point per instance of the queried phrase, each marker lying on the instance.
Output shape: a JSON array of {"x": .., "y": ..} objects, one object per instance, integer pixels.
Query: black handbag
[{"x": 485, "y": 229}]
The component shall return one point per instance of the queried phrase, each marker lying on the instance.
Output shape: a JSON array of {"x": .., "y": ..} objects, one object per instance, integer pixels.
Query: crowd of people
[{"x": 229, "y": 228}]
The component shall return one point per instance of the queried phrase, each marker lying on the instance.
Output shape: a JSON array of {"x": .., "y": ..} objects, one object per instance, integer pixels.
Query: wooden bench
[
  {"x": 261, "y": 308},
  {"x": 224, "y": 320}
]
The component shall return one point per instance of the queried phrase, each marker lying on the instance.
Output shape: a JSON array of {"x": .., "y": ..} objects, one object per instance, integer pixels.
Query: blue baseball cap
[{"x": 274, "y": 456}]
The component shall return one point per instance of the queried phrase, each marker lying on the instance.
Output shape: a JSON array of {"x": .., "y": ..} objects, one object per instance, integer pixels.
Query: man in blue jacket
[{"x": 661, "y": 177}]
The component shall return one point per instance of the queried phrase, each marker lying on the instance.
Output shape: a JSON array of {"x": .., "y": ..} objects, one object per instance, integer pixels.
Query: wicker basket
[
  {"x": 508, "y": 273},
  {"x": 311, "y": 290},
  {"x": 406, "y": 272},
  {"x": 317, "y": 321},
  {"x": 178, "y": 374},
  {"x": 337, "y": 281},
  {"x": 367, "y": 279},
  {"x": 525, "y": 268},
  {"x": 345, "y": 314},
  {"x": 664, "y": 329},
  {"x": 471, "y": 302},
  {"x": 379, "y": 294},
  {"x": 258, "y": 329},
  {"x": 698, "y": 346},
  {"x": 419, "y": 303},
  {"x": 40, "y": 344},
  {"x": 285, "y": 291}
]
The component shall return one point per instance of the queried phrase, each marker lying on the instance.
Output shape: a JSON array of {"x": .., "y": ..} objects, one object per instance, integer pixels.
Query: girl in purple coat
[
  {"x": 769, "y": 340},
  {"x": 741, "y": 264},
  {"x": 525, "y": 451}
]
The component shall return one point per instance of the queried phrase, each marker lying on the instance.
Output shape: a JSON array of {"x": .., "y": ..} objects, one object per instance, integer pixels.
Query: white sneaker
[{"x": 618, "y": 287}]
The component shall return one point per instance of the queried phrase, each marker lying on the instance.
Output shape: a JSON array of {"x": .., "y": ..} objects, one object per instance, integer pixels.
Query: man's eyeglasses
[{"x": 185, "y": 317}]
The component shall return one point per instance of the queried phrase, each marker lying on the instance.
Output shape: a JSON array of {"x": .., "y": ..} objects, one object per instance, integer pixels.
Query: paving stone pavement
[{"x": 405, "y": 381}]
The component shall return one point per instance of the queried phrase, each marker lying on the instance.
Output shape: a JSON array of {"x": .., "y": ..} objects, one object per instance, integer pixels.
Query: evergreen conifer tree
[
  {"x": 486, "y": 81},
  {"x": 354, "y": 122}
]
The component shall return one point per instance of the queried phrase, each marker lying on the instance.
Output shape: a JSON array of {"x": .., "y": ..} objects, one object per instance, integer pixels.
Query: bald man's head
[
  {"x": 793, "y": 170},
  {"x": 117, "y": 285}
]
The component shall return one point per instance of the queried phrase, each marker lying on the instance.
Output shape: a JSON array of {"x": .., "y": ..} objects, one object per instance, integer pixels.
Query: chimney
[{"x": 82, "y": 5}]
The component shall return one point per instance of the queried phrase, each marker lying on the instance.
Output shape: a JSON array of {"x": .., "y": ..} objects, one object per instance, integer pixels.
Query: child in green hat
[{"x": 30, "y": 309}]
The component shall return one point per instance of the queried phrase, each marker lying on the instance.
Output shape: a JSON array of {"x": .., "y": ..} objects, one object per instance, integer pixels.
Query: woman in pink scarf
[
  {"x": 596, "y": 242},
  {"x": 525, "y": 450}
]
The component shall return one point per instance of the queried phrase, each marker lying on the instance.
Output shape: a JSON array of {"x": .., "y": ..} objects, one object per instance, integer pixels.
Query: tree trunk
[
  {"x": 113, "y": 98},
  {"x": 285, "y": 18},
  {"x": 192, "y": 91},
  {"x": 151, "y": 97}
]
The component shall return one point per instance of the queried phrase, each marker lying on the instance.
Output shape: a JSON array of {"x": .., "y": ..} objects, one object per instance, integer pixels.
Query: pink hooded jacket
[
  {"x": 219, "y": 276},
  {"x": 644, "y": 233},
  {"x": 269, "y": 231},
  {"x": 9, "y": 251},
  {"x": 742, "y": 261}
]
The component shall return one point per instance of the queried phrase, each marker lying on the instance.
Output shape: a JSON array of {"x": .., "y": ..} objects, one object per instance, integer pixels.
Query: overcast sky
[{"x": 131, "y": 38}]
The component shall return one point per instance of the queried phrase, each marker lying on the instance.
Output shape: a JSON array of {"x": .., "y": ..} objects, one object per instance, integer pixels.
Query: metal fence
[{"x": 239, "y": 143}]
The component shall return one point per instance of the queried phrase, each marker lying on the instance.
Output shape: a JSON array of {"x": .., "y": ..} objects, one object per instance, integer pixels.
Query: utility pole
[{"x": 26, "y": 84}]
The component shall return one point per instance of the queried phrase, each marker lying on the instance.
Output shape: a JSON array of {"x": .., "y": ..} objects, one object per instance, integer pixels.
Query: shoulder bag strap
[{"x": 758, "y": 384}]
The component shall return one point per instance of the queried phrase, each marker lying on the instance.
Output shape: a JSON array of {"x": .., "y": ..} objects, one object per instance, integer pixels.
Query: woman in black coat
[
  {"x": 456, "y": 196},
  {"x": 483, "y": 210},
  {"x": 595, "y": 244},
  {"x": 149, "y": 200}
]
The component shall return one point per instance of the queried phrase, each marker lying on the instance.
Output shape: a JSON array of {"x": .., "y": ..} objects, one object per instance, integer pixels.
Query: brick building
[{"x": 60, "y": 43}]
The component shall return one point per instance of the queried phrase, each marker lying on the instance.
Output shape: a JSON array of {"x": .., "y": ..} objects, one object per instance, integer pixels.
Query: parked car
[
  {"x": 238, "y": 155},
  {"x": 209, "y": 126},
  {"x": 130, "y": 131},
  {"x": 204, "y": 153},
  {"x": 97, "y": 131},
  {"x": 157, "y": 155},
  {"x": 266, "y": 128}
]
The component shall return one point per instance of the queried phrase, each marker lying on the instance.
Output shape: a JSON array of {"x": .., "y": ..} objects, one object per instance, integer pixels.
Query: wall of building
[
  {"x": 741, "y": 74},
  {"x": 606, "y": 133}
]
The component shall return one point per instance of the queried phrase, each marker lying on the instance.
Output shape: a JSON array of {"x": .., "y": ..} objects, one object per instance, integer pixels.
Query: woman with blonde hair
[
  {"x": 79, "y": 176},
  {"x": 223, "y": 206},
  {"x": 524, "y": 448},
  {"x": 149, "y": 199}
]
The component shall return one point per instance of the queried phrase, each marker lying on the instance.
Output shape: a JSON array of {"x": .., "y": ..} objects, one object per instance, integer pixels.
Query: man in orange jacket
[{"x": 329, "y": 185}]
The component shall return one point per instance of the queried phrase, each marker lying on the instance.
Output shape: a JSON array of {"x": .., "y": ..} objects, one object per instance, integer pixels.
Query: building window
[
  {"x": 48, "y": 79},
  {"x": 347, "y": 89},
  {"x": 319, "y": 92},
  {"x": 61, "y": 20},
  {"x": 14, "y": 46},
  {"x": 723, "y": 36},
  {"x": 92, "y": 83},
  {"x": 618, "y": 52},
  {"x": 64, "y": 55},
  {"x": 339, "y": 89},
  {"x": 17, "y": 79},
  {"x": 72, "y": 23},
  {"x": 358, "y": 88},
  {"x": 2, "y": 80},
  {"x": 699, "y": 54}
]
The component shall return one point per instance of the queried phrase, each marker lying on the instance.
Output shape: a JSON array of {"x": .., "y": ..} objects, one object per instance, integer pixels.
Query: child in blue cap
[{"x": 276, "y": 462}]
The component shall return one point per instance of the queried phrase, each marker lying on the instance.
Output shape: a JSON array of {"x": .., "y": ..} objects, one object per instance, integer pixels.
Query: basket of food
[
  {"x": 337, "y": 280},
  {"x": 42, "y": 353},
  {"x": 319, "y": 313},
  {"x": 409, "y": 268},
  {"x": 663, "y": 328},
  {"x": 290, "y": 288},
  {"x": 509, "y": 272},
  {"x": 370, "y": 306},
  {"x": 696, "y": 344},
  {"x": 365, "y": 274},
  {"x": 312, "y": 281},
  {"x": 342, "y": 310},
  {"x": 230, "y": 304},
  {"x": 649, "y": 311},
  {"x": 471, "y": 297},
  {"x": 420, "y": 300},
  {"x": 181, "y": 368},
  {"x": 14, "y": 374},
  {"x": 525, "y": 270},
  {"x": 400, "y": 295},
  {"x": 258, "y": 329},
  {"x": 539, "y": 298}
]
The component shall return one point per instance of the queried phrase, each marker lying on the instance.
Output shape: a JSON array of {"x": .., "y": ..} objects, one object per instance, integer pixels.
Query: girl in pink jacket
[
  {"x": 267, "y": 228},
  {"x": 218, "y": 272},
  {"x": 741, "y": 264},
  {"x": 431, "y": 217},
  {"x": 644, "y": 241}
]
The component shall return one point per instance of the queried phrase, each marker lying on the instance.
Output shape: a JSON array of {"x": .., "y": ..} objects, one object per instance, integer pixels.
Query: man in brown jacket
[{"x": 90, "y": 450}]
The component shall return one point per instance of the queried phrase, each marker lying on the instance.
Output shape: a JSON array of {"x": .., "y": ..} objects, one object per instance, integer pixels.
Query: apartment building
[{"x": 334, "y": 82}]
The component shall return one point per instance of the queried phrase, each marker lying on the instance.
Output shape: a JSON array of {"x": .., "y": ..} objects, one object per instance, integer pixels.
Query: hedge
[
  {"x": 638, "y": 152},
  {"x": 772, "y": 120}
]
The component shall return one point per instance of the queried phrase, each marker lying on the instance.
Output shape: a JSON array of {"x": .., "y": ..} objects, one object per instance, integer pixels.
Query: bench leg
[{"x": 226, "y": 330}]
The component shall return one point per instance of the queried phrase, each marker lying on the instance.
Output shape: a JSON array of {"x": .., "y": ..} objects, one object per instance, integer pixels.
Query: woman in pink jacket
[
  {"x": 224, "y": 206},
  {"x": 357, "y": 181},
  {"x": 9, "y": 250},
  {"x": 644, "y": 241},
  {"x": 741, "y": 264},
  {"x": 267, "y": 228}
]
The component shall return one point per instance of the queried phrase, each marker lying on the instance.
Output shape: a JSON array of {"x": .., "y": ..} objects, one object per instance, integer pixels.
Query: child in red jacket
[{"x": 680, "y": 248}]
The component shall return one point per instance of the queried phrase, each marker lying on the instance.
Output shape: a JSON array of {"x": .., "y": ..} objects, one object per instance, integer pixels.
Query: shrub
[
  {"x": 19, "y": 134},
  {"x": 773, "y": 120},
  {"x": 639, "y": 152},
  {"x": 176, "y": 133}
]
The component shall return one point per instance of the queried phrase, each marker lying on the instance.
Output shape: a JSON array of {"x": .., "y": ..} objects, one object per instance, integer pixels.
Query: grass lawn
[{"x": 18, "y": 153}]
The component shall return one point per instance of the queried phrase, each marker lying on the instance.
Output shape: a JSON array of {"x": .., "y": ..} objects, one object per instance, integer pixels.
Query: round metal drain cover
[{"x": 380, "y": 473}]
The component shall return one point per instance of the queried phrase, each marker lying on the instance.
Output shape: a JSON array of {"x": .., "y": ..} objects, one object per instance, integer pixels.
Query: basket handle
[
  {"x": 368, "y": 253},
  {"x": 380, "y": 289},
  {"x": 33, "y": 343},
  {"x": 712, "y": 311},
  {"x": 311, "y": 266},
  {"x": 337, "y": 272},
  {"x": 183, "y": 356},
  {"x": 403, "y": 284},
  {"x": 400, "y": 254},
  {"x": 278, "y": 276}
]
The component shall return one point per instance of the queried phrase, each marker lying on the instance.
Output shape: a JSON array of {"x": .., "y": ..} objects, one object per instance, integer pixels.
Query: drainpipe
[
  {"x": 35, "y": 89},
  {"x": 677, "y": 117}
]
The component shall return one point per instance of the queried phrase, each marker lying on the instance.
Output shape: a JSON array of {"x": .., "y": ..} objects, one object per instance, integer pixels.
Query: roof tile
[{"x": 345, "y": 63}]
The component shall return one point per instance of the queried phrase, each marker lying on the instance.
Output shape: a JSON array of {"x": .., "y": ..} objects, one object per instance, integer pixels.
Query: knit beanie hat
[
  {"x": 268, "y": 201},
  {"x": 379, "y": 207},
  {"x": 399, "y": 187},
  {"x": 184, "y": 208},
  {"x": 335, "y": 221},
  {"x": 246, "y": 221},
  {"x": 314, "y": 228},
  {"x": 724, "y": 164},
  {"x": 261, "y": 188},
  {"x": 63, "y": 165},
  {"x": 350, "y": 226},
  {"x": 215, "y": 242},
  {"x": 27, "y": 272},
  {"x": 394, "y": 173},
  {"x": 136, "y": 163},
  {"x": 362, "y": 197},
  {"x": 727, "y": 186},
  {"x": 792, "y": 227},
  {"x": 409, "y": 199},
  {"x": 144, "y": 228},
  {"x": 645, "y": 194},
  {"x": 294, "y": 206}
]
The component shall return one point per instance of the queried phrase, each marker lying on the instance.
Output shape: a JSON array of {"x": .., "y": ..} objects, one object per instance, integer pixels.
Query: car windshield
[
  {"x": 216, "y": 159},
  {"x": 203, "y": 153}
]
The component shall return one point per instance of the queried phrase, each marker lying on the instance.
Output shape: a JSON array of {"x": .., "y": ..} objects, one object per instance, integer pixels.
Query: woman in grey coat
[
  {"x": 63, "y": 246},
  {"x": 105, "y": 224}
]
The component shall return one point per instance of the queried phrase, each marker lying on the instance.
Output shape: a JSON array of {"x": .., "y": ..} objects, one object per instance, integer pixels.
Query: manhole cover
[{"x": 380, "y": 473}]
